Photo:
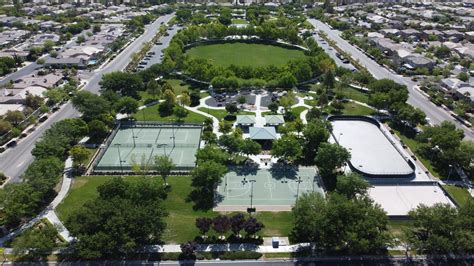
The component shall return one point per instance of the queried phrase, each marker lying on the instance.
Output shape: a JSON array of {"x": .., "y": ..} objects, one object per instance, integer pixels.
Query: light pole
[
  {"x": 339, "y": 138},
  {"x": 134, "y": 137},
  {"x": 298, "y": 188},
  {"x": 450, "y": 169},
  {"x": 251, "y": 209},
  {"x": 120, "y": 157}
]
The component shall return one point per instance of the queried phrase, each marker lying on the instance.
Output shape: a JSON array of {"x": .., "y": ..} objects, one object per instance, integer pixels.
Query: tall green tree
[
  {"x": 164, "y": 165},
  {"x": 125, "y": 216}
]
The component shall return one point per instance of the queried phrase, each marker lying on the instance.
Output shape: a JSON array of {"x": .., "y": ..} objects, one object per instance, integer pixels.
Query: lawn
[
  {"x": 355, "y": 95},
  {"x": 239, "y": 21},
  {"x": 220, "y": 114},
  {"x": 351, "y": 108},
  {"x": 460, "y": 195},
  {"x": 244, "y": 54},
  {"x": 396, "y": 227},
  {"x": 297, "y": 110},
  {"x": 152, "y": 114},
  {"x": 180, "y": 222}
]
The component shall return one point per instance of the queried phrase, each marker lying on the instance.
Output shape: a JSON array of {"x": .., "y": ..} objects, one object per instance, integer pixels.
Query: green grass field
[
  {"x": 460, "y": 195},
  {"x": 244, "y": 54},
  {"x": 239, "y": 21},
  {"x": 351, "y": 108},
  {"x": 220, "y": 114},
  {"x": 180, "y": 222},
  {"x": 152, "y": 114}
]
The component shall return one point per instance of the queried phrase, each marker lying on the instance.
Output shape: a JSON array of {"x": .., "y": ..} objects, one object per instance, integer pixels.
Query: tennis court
[
  {"x": 141, "y": 142},
  {"x": 274, "y": 189}
]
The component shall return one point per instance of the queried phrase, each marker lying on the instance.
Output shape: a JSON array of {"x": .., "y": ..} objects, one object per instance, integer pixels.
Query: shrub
[{"x": 240, "y": 255}]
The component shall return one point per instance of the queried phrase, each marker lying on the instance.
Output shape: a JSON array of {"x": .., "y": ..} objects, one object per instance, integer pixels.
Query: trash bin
[{"x": 275, "y": 242}]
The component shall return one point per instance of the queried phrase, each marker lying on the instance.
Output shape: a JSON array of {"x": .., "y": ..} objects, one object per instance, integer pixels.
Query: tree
[
  {"x": 96, "y": 28},
  {"x": 169, "y": 99},
  {"x": 188, "y": 248},
  {"x": 33, "y": 101},
  {"x": 180, "y": 113},
  {"x": 231, "y": 142},
  {"x": 124, "y": 217},
  {"x": 164, "y": 165},
  {"x": 153, "y": 88},
  {"x": 287, "y": 147},
  {"x": 221, "y": 224},
  {"x": 124, "y": 83},
  {"x": 37, "y": 242},
  {"x": 18, "y": 201},
  {"x": 225, "y": 126},
  {"x": 387, "y": 94},
  {"x": 5, "y": 126},
  {"x": 55, "y": 96},
  {"x": 314, "y": 133},
  {"x": 250, "y": 147},
  {"x": 126, "y": 105},
  {"x": 91, "y": 106},
  {"x": 273, "y": 107},
  {"x": 351, "y": 185},
  {"x": 237, "y": 222},
  {"x": 79, "y": 155},
  {"x": 339, "y": 224},
  {"x": 204, "y": 225},
  {"x": 231, "y": 108},
  {"x": 442, "y": 229},
  {"x": 185, "y": 99},
  {"x": 206, "y": 175},
  {"x": 212, "y": 153},
  {"x": 313, "y": 114},
  {"x": 14, "y": 117},
  {"x": 252, "y": 226},
  {"x": 328, "y": 80},
  {"x": 463, "y": 76},
  {"x": 331, "y": 156},
  {"x": 97, "y": 130}
]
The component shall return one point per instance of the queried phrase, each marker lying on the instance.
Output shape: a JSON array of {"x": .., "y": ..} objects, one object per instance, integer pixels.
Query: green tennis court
[
  {"x": 278, "y": 186},
  {"x": 140, "y": 143}
]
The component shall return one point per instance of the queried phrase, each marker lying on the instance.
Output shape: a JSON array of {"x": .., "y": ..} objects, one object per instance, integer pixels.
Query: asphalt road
[
  {"x": 14, "y": 161},
  {"x": 433, "y": 112}
]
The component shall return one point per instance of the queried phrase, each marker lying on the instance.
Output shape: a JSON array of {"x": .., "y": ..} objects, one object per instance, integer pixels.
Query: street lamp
[
  {"x": 450, "y": 169},
  {"x": 339, "y": 138},
  {"x": 251, "y": 209},
  {"x": 120, "y": 156},
  {"x": 298, "y": 187},
  {"x": 134, "y": 137}
]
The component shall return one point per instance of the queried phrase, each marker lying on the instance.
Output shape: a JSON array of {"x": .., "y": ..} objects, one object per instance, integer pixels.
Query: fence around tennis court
[{"x": 120, "y": 169}]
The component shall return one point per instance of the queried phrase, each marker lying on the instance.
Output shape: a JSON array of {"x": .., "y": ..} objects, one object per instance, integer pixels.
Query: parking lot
[
  {"x": 155, "y": 55},
  {"x": 333, "y": 53}
]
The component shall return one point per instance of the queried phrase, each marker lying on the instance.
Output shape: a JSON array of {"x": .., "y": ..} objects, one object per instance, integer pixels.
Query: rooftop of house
[
  {"x": 274, "y": 119},
  {"x": 245, "y": 120},
  {"x": 262, "y": 133}
]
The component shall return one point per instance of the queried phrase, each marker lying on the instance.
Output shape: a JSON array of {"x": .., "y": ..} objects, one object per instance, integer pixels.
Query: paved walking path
[{"x": 49, "y": 212}]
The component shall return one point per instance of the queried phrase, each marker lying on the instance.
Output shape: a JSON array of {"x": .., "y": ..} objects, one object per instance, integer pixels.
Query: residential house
[
  {"x": 454, "y": 35},
  {"x": 410, "y": 34},
  {"x": 419, "y": 61}
]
